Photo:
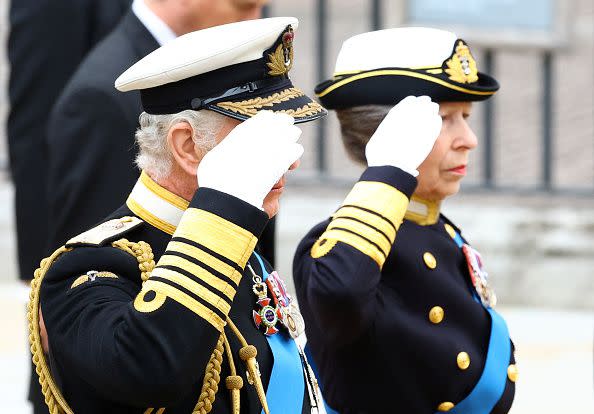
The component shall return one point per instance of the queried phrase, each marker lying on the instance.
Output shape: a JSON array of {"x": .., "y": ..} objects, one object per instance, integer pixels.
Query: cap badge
[
  {"x": 461, "y": 66},
  {"x": 280, "y": 61}
]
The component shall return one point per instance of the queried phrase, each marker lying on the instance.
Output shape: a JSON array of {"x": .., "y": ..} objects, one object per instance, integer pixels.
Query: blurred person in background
[
  {"x": 91, "y": 129},
  {"x": 397, "y": 305},
  {"x": 47, "y": 41},
  {"x": 165, "y": 306}
]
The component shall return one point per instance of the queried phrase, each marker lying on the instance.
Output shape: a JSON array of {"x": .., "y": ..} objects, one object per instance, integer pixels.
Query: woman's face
[{"x": 442, "y": 171}]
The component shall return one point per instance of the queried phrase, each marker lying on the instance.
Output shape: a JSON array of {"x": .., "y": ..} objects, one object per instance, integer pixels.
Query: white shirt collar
[
  {"x": 423, "y": 212},
  {"x": 156, "y": 205},
  {"x": 157, "y": 27}
]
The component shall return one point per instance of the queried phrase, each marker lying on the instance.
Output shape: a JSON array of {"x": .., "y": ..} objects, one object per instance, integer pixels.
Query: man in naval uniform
[
  {"x": 165, "y": 307},
  {"x": 398, "y": 309}
]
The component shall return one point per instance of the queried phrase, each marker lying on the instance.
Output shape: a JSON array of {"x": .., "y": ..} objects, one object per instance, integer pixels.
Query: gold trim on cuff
[
  {"x": 357, "y": 242},
  {"x": 363, "y": 230},
  {"x": 217, "y": 234},
  {"x": 207, "y": 259},
  {"x": 149, "y": 306},
  {"x": 202, "y": 274},
  {"x": 380, "y": 198},
  {"x": 194, "y": 287},
  {"x": 372, "y": 219},
  {"x": 187, "y": 301}
]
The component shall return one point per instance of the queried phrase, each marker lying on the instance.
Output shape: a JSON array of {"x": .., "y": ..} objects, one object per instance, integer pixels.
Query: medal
[
  {"x": 267, "y": 316},
  {"x": 479, "y": 277},
  {"x": 292, "y": 319},
  {"x": 280, "y": 308}
]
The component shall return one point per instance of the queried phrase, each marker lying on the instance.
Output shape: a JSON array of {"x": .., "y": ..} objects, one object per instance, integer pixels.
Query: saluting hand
[
  {"x": 252, "y": 158},
  {"x": 406, "y": 135}
]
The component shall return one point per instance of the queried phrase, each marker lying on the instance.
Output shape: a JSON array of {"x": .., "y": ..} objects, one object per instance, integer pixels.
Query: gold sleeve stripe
[
  {"x": 363, "y": 230},
  {"x": 194, "y": 287},
  {"x": 207, "y": 259},
  {"x": 217, "y": 234},
  {"x": 380, "y": 198},
  {"x": 187, "y": 301},
  {"x": 373, "y": 219},
  {"x": 220, "y": 285},
  {"x": 359, "y": 243}
]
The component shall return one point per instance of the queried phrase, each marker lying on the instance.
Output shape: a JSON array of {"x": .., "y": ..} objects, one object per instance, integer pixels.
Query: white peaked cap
[
  {"x": 405, "y": 47},
  {"x": 385, "y": 66},
  {"x": 236, "y": 69},
  {"x": 204, "y": 51}
]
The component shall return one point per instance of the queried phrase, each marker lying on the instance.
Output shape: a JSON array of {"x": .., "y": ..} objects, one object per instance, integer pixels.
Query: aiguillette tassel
[
  {"x": 234, "y": 384},
  {"x": 248, "y": 355}
]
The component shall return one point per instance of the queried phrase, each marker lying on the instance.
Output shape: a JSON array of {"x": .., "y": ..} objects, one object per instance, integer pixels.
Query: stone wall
[{"x": 539, "y": 251}]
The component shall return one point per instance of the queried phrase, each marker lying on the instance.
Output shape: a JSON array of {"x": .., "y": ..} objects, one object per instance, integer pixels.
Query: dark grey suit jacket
[
  {"x": 91, "y": 135},
  {"x": 47, "y": 41}
]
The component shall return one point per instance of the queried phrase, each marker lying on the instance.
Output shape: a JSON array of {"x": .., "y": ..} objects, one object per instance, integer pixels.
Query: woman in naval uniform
[{"x": 398, "y": 310}]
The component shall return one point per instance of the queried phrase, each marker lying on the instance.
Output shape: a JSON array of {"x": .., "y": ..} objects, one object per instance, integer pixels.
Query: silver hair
[
  {"x": 357, "y": 125},
  {"x": 154, "y": 156}
]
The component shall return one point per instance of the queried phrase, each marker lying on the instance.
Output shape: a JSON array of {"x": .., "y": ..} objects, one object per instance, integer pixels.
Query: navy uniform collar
[{"x": 156, "y": 205}]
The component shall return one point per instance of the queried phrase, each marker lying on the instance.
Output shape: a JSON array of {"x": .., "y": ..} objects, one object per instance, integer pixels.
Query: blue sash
[
  {"x": 491, "y": 385},
  {"x": 286, "y": 386},
  {"x": 489, "y": 388}
]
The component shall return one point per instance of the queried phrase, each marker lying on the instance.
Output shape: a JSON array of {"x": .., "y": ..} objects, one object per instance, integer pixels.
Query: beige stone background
[{"x": 539, "y": 247}]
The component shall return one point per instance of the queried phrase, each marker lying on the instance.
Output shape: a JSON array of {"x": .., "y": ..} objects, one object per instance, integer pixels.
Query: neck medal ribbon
[
  {"x": 281, "y": 308},
  {"x": 287, "y": 385}
]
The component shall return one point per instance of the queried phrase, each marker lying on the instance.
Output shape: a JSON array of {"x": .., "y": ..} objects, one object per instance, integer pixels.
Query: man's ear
[{"x": 181, "y": 144}]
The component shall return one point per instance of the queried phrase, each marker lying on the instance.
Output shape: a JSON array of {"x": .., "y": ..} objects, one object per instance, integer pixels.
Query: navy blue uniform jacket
[
  {"x": 385, "y": 292},
  {"x": 120, "y": 345}
]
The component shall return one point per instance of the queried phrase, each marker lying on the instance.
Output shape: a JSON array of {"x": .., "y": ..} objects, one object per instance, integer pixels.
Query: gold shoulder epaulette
[{"x": 105, "y": 232}]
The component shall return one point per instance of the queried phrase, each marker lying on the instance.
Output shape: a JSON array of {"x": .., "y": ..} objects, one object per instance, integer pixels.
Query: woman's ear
[{"x": 181, "y": 144}]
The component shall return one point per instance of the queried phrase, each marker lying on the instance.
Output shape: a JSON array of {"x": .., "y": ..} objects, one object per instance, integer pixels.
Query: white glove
[
  {"x": 252, "y": 158},
  {"x": 406, "y": 135}
]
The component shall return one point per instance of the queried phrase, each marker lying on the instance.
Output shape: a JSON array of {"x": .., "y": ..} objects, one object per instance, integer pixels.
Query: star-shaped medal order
[{"x": 267, "y": 316}]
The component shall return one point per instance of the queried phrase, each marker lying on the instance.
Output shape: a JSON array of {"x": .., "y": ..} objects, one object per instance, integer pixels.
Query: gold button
[
  {"x": 430, "y": 260},
  {"x": 463, "y": 360},
  {"x": 450, "y": 230},
  {"x": 445, "y": 406},
  {"x": 436, "y": 314},
  {"x": 512, "y": 372}
]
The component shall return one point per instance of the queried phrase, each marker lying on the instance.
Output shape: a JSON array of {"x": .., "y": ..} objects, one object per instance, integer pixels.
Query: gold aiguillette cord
[
  {"x": 248, "y": 354},
  {"x": 233, "y": 382}
]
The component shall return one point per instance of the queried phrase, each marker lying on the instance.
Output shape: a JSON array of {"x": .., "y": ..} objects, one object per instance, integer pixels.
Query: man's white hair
[{"x": 154, "y": 156}]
